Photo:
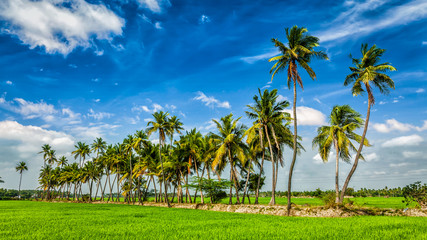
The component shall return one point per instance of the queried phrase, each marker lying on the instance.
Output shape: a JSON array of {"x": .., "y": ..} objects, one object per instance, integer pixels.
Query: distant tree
[
  {"x": 20, "y": 167},
  {"x": 415, "y": 192},
  {"x": 1, "y": 180}
]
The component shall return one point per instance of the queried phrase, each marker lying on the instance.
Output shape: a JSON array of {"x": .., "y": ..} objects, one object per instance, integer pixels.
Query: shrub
[{"x": 415, "y": 193}]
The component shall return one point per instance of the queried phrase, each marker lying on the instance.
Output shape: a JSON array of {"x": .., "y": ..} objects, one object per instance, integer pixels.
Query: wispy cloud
[
  {"x": 211, "y": 101},
  {"x": 256, "y": 58},
  {"x": 98, "y": 115},
  {"x": 57, "y": 28},
  {"x": 420, "y": 90},
  {"x": 154, "y": 108},
  {"x": 353, "y": 22},
  {"x": 9, "y": 82}
]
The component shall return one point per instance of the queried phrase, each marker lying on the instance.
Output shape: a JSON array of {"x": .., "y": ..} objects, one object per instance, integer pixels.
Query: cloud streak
[
  {"x": 211, "y": 101},
  {"x": 353, "y": 23}
]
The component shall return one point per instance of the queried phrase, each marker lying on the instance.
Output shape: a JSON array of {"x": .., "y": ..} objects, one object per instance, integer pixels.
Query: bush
[
  {"x": 415, "y": 193},
  {"x": 211, "y": 187},
  {"x": 329, "y": 199}
]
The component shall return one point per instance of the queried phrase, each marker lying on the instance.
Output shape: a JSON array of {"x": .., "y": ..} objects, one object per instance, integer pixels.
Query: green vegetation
[{"x": 40, "y": 220}]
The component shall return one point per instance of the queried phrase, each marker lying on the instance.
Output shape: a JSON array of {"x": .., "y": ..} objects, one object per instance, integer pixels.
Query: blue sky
[{"x": 76, "y": 70}]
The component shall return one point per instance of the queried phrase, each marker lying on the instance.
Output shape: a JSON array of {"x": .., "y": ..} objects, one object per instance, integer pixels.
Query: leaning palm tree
[
  {"x": 20, "y": 167},
  {"x": 231, "y": 148},
  {"x": 367, "y": 73},
  {"x": 343, "y": 122},
  {"x": 298, "y": 52},
  {"x": 160, "y": 124}
]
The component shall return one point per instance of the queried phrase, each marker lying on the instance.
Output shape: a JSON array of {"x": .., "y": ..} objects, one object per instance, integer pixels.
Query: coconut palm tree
[
  {"x": 269, "y": 115},
  {"x": 82, "y": 151},
  {"x": 62, "y": 161},
  {"x": 1, "y": 180},
  {"x": 20, "y": 167},
  {"x": 367, "y": 73},
  {"x": 298, "y": 52},
  {"x": 161, "y": 125},
  {"x": 98, "y": 146},
  {"x": 46, "y": 148},
  {"x": 343, "y": 122},
  {"x": 231, "y": 147},
  {"x": 175, "y": 126}
]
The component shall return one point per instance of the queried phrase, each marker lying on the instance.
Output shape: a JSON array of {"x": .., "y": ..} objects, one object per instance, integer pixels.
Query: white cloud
[
  {"x": 371, "y": 157},
  {"x": 318, "y": 160},
  {"x": 29, "y": 110},
  {"x": 390, "y": 125},
  {"x": 29, "y": 139},
  {"x": 420, "y": 90},
  {"x": 398, "y": 164},
  {"x": 88, "y": 133},
  {"x": 9, "y": 82},
  {"x": 379, "y": 172},
  {"x": 204, "y": 19},
  {"x": 424, "y": 43},
  {"x": 155, "y": 108},
  {"x": 410, "y": 154},
  {"x": 99, "y": 115},
  {"x": 172, "y": 107},
  {"x": 281, "y": 98},
  {"x": 97, "y": 100},
  {"x": 211, "y": 101},
  {"x": 153, "y": 5},
  {"x": 317, "y": 100},
  {"x": 394, "y": 125},
  {"x": 308, "y": 116},
  {"x": 148, "y": 119},
  {"x": 353, "y": 23},
  {"x": 71, "y": 117},
  {"x": 59, "y": 28},
  {"x": 158, "y": 25},
  {"x": 412, "y": 140}
]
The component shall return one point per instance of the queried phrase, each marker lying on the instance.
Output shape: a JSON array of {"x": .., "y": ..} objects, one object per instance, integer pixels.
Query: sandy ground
[{"x": 296, "y": 211}]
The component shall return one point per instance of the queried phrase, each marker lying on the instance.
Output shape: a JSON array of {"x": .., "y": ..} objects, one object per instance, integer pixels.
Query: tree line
[{"x": 132, "y": 165}]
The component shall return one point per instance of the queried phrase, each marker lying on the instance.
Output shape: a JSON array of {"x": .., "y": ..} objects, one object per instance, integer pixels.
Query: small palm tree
[
  {"x": 82, "y": 151},
  {"x": 46, "y": 148},
  {"x": 161, "y": 125},
  {"x": 62, "y": 161},
  {"x": 231, "y": 148},
  {"x": 20, "y": 167},
  {"x": 298, "y": 52},
  {"x": 343, "y": 122},
  {"x": 367, "y": 73}
]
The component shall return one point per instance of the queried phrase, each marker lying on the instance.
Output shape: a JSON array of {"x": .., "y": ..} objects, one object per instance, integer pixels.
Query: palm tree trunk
[
  {"x": 163, "y": 173},
  {"x": 246, "y": 186},
  {"x": 19, "y": 188},
  {"x": 259, "y": 178},
  {"x": 294, "y": 155},
  {"x": 97, "y": 187},
  {"x": 233, "y": 172},
  {"x": 109, "y": 183},
  {"x": 155, "y": 191},
  {"x": 356, "y": 160},
  {"x": 337, "y": 187},
  {"x": 118, "y": 183},
  {"x": 130, "y": 176},
  {"x": 273, "y": 188}
]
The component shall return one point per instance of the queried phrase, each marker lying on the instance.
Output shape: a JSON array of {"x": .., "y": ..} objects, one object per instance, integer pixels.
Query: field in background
[{"x": 42, "y": 220}]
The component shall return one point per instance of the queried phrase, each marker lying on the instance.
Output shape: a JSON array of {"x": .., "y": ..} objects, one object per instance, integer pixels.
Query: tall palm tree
[
  {"x": 269, "y": 115},
  {"x": 298, "y": 52},
  {"x": 98, "y": 146},
  {"x": 175, "y": 126},
  {"x": 45, "y": 150},
  {"x": 231, "y": 147},
  {"x": 82, "y": 151},
  {"x": 161, "y": 125},
  {"x": 62, "y": 161},
  {"x": 343, "y": 122},
  {"x": 20, "y": 167},
  {"x": 366, "y": 74}
]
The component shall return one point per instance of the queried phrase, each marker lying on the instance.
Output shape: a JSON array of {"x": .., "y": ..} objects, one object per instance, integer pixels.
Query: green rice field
[{"x": 42, "y": 220}]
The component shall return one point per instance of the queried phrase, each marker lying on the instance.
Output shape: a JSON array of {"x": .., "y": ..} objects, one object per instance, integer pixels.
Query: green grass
[
  {"x": 377, "y": 202},
  {"x": 41, "y": 220}
]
